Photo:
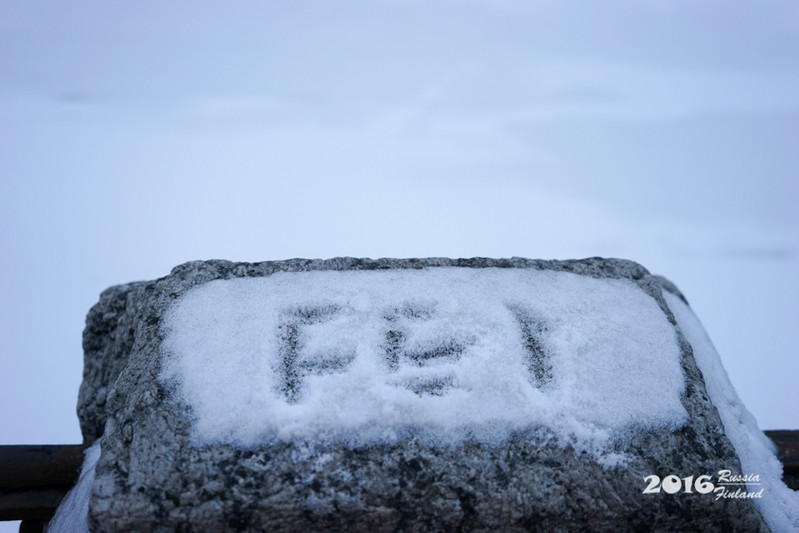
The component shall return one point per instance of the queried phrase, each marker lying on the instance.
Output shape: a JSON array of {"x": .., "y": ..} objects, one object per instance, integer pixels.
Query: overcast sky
[{"x": 136, "y": 136}]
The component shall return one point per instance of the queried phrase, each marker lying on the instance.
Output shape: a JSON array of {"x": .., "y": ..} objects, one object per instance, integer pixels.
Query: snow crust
[
  {"x": 443, "y": 354},
  {"x": 779, "y": 504},
  {"x": 73, "y": 512}
]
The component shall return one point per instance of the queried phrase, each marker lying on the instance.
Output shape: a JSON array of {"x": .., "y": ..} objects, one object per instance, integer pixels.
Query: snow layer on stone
[
  {"x": 779, "y": 504},
  {"x": 73, "y": 512},
  {"x": 443, "y": 354}
]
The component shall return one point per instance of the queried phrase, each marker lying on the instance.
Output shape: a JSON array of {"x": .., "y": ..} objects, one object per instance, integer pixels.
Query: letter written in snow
[{"x": 358, "y": 355}]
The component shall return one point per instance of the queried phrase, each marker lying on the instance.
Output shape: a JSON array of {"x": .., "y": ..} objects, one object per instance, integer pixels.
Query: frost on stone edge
[
  {"x": 73, "y": 512},
  {"x": 779, "y": 504}
]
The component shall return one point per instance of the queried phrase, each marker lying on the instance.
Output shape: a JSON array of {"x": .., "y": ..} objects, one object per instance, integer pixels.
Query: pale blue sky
[{"x": 136, "y": 137}]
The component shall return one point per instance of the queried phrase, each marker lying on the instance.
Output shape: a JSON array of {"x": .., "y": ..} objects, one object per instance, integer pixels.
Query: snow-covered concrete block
[{"x": 420, "y": 395}]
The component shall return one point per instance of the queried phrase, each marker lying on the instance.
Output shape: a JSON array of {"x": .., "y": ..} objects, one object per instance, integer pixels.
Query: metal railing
[{"x": 34, "y": 479}]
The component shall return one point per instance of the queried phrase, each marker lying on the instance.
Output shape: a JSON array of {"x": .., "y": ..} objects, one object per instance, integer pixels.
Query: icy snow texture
[
  {"x": 74, "y": 509},
  {"x": 447, "y": 353},
  {"x": 779, "y": 504}
]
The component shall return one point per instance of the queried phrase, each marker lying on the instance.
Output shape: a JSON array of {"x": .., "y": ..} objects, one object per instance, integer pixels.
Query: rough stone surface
[{"x": 150, "y": 478}]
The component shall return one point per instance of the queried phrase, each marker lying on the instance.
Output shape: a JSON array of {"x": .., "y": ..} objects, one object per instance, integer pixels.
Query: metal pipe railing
[{"x": 34, "y": 479}]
